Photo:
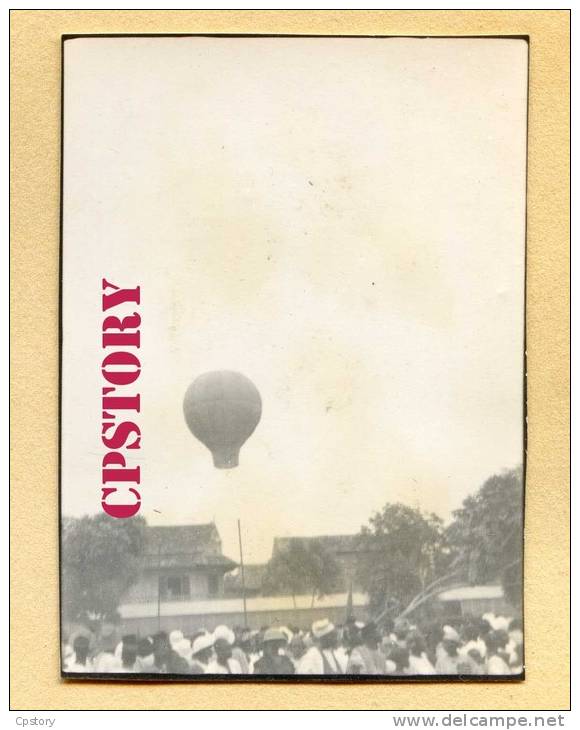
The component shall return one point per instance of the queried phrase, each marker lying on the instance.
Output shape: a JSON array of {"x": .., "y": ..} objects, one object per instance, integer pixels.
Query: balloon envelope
[{"x": 222, "y": 410}]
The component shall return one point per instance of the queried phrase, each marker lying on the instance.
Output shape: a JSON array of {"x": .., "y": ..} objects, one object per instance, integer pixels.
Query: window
[{"x": 174, "y": 587}]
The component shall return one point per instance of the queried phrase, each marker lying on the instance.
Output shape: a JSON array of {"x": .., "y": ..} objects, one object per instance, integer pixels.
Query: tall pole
[
  {"x": 242, "y": 574},
  {"x": 159, "y": 585}
]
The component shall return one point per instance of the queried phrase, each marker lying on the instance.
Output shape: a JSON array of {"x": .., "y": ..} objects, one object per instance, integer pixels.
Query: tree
[
  {"x": 487, "y": 534},
  {"x": 303, "y": 567},
  {"x": 99, "y": 561},
  {"x": 401, "y": 551}
]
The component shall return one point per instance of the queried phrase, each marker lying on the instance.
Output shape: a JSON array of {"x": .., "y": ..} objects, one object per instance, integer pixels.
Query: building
[
  {"x": 466, "y": 600},
  {"x": 345, "y": 549},
  {"x": 186, "y": 583},
  {"x": 180, "y": 563}
]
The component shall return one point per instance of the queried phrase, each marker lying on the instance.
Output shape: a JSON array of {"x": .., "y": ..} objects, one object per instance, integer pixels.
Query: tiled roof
[
  {"x": 335, "y": 544},
  {"x": 184, "y": 546},
  {"x": 182, "y": 539}
]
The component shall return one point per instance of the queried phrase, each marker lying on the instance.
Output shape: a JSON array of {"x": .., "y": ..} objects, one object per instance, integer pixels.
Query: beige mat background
[{"x": 35, "y": 159}]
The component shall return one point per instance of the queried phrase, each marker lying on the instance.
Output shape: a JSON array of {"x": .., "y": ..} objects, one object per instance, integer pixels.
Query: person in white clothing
[
  {"x": 322, "y": 658},
  {"x": 418, "y": 660}
]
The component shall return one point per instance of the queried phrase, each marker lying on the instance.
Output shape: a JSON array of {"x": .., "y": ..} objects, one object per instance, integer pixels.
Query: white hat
[
  {"x": 450, "y": 634},
  {"x": 183, "y": 648},
  {"x": 175, "y": 637},
  {"x": 500, "y": 623},
  {"x": 287, "y": 633},
  {"x": 469, "y": 646},
  {"x": 322, "y": 628},
  {"x": 274, "y": 635},
  {"x": 202, "y": 642},
  {"x": 223, "y": 632}
]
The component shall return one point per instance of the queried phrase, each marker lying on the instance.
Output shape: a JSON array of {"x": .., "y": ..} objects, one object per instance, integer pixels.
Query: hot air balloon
[{"x": 222, "y": 409}]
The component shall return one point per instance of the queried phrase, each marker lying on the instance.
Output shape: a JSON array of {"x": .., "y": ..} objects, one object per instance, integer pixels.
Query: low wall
[{"x": 301, "y": 618}]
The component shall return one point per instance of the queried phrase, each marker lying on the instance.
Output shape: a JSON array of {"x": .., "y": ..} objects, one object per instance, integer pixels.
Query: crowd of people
[{"x": 490, "y": 645}]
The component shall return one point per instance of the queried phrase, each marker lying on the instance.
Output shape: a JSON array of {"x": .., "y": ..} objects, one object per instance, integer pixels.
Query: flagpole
[{"x": 242, "y": 574}]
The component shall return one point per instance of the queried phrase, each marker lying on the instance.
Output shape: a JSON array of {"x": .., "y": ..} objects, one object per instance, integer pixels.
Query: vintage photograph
[{"x": 293, "y": 358}]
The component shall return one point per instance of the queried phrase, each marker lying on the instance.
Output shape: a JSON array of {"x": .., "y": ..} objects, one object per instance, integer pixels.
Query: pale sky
[{"x": 341, "y": 220}]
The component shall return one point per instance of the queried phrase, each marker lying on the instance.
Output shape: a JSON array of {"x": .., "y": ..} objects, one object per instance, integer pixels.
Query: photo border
[{"x": 35, "y": 206}]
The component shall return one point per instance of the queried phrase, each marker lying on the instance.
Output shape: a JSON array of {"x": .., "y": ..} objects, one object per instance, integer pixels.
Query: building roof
[
  {"x": 184, "y": 546},
  {"x": 471, "y": 593},
  {"x": 234, "y": 605},
  {"x": 181, "y": 539},
  {"x": 335, "y": 544}
]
